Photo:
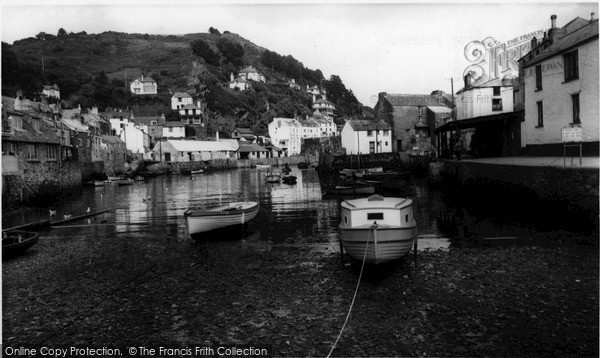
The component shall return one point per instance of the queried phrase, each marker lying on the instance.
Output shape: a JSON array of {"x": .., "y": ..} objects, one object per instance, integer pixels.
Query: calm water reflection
[{"x": 289, "y": 214}]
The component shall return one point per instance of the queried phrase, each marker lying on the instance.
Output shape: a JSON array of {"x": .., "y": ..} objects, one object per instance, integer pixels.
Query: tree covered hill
[{"x": 96, "y": 69}]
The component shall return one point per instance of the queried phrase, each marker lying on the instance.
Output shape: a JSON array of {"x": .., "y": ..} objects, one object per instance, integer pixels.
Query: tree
[
  {"x": 61, "y": 32},
  {"x": 214, "y": 31},
  {"x": 233, "y": 52},
  {"x": 202, "y": 49}
]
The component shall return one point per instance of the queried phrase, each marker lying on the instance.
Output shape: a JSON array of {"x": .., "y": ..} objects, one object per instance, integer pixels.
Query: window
[
  {"x": 369, "y": 133},
  {"x": 17, "y": 122},
  {"x": 32, "y": 152},
  {"x": 538, "y": 77},
  {"x": 153, "y": 123},
  {"x": 170, "y": 129},
  {"x": 35, "y": 124},
  {"x": 8, "y": 148},
  {"x": 374, "y": 216},
  {"x": 496, "y": 90},
  {"x": 571, "y": 66},
  {"x": 197, "y": 121},
  {"x": 575, "y": 99},
  {"x": 386, "y": 133},
  {"x": 51, "y": 152},
  {"x": 540, "y": 109},
  {"x": 371, "y": 147},
  {"x": 496, "y": 104}
]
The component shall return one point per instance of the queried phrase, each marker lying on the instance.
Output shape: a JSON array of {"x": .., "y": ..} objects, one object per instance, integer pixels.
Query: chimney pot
[{"x": 553, "y": 21}]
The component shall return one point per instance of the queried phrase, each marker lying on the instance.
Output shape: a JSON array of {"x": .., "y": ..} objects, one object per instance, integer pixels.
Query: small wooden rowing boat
[
  {"x": 272, "y": 178},
  {"x": 16, "y": 242},
  {"x": 378, "y": 229},
  {"x": 289, "y": 179},
  {"x": 353, "y": 189},
  {"x": 221, "y": 217},
  {"x": 124, "y": 182}
]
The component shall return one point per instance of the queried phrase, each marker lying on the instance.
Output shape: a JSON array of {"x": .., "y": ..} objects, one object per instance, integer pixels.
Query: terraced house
[{"x": 559, "y": 86}]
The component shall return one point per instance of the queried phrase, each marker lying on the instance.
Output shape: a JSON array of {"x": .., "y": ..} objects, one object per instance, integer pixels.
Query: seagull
[
  {"x": 52, "y": 212},
  {"x": 89, "y": 210}
]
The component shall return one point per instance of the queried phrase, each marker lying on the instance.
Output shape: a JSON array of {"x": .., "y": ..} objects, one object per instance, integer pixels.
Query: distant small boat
[
  {"x": 139, "y": 178},
  {"x": 96, "y": 183},
  {"x": 360, "y": 173},
  {"x": 16, "y": 242},
  {"x": 272, "y": 178},
  {"x": 199, "y": 171},
  {"x": 124, "y": 182},
  {"x": 303, "y": 165},
  {"x": 354, "y": 189},
  {"x": 289, "y": 179},
  {"x": 263, "y": 166},
  {"x": 221, "y": 217},
  {"x": 378, "y": 229}
]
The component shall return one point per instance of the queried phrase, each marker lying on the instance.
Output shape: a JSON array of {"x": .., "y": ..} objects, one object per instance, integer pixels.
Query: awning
[{"x": 474, "y": 122}]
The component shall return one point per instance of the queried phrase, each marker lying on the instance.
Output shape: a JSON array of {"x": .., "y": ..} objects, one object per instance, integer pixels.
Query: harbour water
[{"x": 289, "y": 214}]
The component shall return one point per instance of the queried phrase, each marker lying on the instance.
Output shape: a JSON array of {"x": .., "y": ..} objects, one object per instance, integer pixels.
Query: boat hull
[
  {"x": 385, "y": 243},
  {"x": 12, "y": 246},
  {"x": 215, "y": 219},
  {"x": 351, "y": 190}
]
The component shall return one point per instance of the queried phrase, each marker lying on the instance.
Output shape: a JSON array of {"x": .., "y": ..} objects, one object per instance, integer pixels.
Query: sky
[{"x": 394, "y": 47}]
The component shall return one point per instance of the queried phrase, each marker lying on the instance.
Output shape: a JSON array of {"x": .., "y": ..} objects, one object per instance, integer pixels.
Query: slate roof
[
  {"x": 190, "y": 106},
  {"x": 46, "y": 134},
  {"x": 75, "y": 125},
  {"x": 248, "y": 69},
  {"x": 146, "y": 79},
  {"x": 251, "y": 148},
  {"x": 113, "y": 139},
  {"x": 365, "y": 125},
  {"x": 415, "y": 100},
  {"x": 174, "y": 124},
  {"x": 439, "y": 109},
  {"x": 182, "y": 94},
  {"x": 49, "y": 87},
  {"x": 243, "y": 130},
  {"x": 576, "y": 33},
  {"x": 185, "y": 145}
]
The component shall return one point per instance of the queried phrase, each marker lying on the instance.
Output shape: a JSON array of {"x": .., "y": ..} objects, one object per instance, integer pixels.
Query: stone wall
[{"x": 567, "y": 198}]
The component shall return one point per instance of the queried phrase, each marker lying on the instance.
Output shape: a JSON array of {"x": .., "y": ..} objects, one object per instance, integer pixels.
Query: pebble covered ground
[{"x": 496, "y": 300}]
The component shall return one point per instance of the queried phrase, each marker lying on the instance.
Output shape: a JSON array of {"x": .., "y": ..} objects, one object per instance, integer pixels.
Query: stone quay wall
[{"x": 570, "y": 195}]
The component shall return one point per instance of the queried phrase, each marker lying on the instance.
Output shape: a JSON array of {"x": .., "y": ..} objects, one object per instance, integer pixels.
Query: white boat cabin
[{"x": 385, "y": 211}]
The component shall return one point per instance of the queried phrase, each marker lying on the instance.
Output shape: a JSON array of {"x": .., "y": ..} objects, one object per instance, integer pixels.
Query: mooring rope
[{"x": 354, "y": 297}]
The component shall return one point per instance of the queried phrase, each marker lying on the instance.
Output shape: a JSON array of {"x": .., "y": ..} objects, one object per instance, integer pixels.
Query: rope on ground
[{"x": 354, "y": 297}]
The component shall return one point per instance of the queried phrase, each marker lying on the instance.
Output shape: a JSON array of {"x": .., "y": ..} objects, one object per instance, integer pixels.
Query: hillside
[{"x": 96, "y": 69}]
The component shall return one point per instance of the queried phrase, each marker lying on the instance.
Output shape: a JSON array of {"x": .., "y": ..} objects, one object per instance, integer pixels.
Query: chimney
[
  {"x": 231, "y": 77},
  {"x": 94, "y": 110},
  {"x": 217, "y": 136},
  {"x": 314, "y": 98},
  {"x": 593, "y": 17},
  {"x": 553, "y": 21}
]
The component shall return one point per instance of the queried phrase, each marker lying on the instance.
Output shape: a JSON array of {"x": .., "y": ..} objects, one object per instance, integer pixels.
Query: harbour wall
[{"x": 567, "y": 198}]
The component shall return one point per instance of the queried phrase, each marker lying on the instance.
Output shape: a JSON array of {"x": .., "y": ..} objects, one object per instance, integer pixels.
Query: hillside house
[
  {"x": 286, "y": 133},
  {"x": 184, "y": 150},
  {"x": 243, "y": 134},
  {"x": 152, "y": 123},
  {"x": 191, "y": 114},
  {"x": 559, "y": 86},
  {"x": 144, "y": 85},
  {"x": 173, "y": 129},
  {"x": 366, "y": 137},
  {"x": 180, "y": 99},
  {"x": 238, "y": 83},
  {"x": 251, "y": 74},
  {"x": 51, "y": 91}
]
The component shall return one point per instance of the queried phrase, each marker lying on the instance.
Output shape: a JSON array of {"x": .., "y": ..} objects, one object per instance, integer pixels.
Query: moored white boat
[
  {"x": 384, "y": 226},
  {"x": 220, "y": 217}
]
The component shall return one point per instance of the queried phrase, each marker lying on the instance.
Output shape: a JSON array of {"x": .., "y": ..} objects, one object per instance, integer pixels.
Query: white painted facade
[
  {"x": 180, "y": 99},
  {"x": 182, "y": 150},
  {"x": 365, "y": 141},
  {"x": 144, "y": 86},
  {"x": 481, "y": 101},
  {"x": 136, "y": 137},
  {"x": 170, "y": 130},
  {"x": 286, "y": 133},
  {"x": 556, "y": 99}
]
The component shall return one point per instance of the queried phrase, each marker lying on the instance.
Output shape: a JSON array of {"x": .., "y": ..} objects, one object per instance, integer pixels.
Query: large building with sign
[{"x": 559, "y": 89}]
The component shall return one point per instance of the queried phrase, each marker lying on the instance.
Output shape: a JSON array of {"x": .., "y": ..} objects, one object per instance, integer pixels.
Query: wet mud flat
[{"x": 525, "y": 300}]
